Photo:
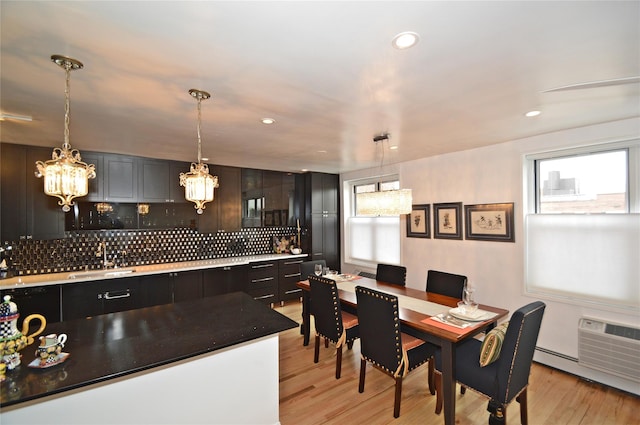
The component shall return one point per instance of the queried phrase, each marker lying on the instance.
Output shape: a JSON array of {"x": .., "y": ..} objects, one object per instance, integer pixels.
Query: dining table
[{"x": 423, "y": 315}]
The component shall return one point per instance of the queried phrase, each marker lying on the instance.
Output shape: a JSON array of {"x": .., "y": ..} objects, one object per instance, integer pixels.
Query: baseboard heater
[{"x": 609, "y": 347}]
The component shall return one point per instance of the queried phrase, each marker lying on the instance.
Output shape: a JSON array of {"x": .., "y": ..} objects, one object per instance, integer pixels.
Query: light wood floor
[{"x": 310, "y": 394}]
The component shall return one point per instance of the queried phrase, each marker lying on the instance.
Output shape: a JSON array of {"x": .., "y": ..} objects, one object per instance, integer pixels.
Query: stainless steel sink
[{"x": 100, "y": 273}]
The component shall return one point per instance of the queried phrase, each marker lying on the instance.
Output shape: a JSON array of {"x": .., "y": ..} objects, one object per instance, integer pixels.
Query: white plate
[{"x": 476, "y": 316}]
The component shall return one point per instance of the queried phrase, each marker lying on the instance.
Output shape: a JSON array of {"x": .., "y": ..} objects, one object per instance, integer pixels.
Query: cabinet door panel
[
  {"x": 13, "y": 200},
  {"x": 82, "y": 299},
  {"x": 153, "y": 180},
  {"x": 44, "y": 300},
  {"x": 96, "y": 192},
  {"x": 121, "y": 178},
  {"x": 156, "y": 290},
  {"x": 187, "y": 286},
  {"x": 45, "y": 218}
]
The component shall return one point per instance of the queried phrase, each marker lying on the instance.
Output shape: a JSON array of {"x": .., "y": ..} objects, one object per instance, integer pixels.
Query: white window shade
[
  {"x": 592, "y": 258},
  {"x": 375, "y": 239}
]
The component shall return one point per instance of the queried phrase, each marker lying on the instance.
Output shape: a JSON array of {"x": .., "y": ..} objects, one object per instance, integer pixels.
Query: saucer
[{"x": 61, "y": 358}]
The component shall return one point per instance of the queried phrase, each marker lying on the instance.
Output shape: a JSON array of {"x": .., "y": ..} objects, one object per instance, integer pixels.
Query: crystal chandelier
[
  {"x": 65, "y": 175},
  {"x": 385, "y": 202},
  {"x": 198, "y": 183}
]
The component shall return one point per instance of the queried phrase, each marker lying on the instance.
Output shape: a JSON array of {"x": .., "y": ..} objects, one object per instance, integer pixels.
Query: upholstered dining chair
[
  {"x": 390, "y": 273},
  {"x": 331, "y": 323},
  {"x": 500, "y": 374},
  {"x": 382, "y": 342},
  {"x": 444, "y": 283},
  {"x": 307, "y": 268},
  {"x": 448, "y": 284}
]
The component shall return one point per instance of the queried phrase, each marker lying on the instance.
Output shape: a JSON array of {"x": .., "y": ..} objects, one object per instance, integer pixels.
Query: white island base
[{"x": 236, "y": 385}]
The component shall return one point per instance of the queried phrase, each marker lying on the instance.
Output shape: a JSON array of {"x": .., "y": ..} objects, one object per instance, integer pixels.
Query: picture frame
[
  {"x": 447, "y": 220},
  {"x": 489, "y": 222},
  {"x": 419, "y": 221}
]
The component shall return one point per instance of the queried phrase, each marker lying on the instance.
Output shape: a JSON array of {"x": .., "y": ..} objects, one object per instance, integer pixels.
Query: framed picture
[
  {"x": 447, "y": 221},
  {"x": 489, "y": 222},
  {"x": 419, "y": 222}
]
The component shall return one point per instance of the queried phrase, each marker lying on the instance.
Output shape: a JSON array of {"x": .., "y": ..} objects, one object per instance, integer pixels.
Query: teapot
[{"x": 11, "y": 339}]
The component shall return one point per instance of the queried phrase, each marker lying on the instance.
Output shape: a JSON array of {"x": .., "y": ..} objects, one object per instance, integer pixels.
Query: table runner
[{"x": 421, "y": 306}]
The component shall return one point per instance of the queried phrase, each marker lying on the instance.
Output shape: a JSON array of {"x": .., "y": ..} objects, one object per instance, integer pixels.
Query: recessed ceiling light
[
  {"x": 204, "y": 159},
  {"x": 404, "y": 40},
  {"x": 394, "y": 147},
  {"x": 304, "y": 170},
  {"x": 322, "y": 151},
  {"x": 532, "y": 114},
  {"x": 268, "y": 121}
]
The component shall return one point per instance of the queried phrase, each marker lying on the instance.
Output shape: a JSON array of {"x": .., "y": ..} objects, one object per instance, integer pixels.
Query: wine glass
[
  {"x": 468, "y": 294},
  {"x": 317, "y": 269}
]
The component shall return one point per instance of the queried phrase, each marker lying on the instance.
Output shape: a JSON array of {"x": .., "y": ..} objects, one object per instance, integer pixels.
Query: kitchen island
[{"x": 211, "y": 360}]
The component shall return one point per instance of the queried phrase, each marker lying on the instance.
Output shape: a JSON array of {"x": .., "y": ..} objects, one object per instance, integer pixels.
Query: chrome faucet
[{"x": 102, "y": 252}]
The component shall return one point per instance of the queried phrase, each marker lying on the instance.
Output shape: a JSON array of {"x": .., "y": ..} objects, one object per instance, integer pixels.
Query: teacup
[{"x": 50, "y": 348}]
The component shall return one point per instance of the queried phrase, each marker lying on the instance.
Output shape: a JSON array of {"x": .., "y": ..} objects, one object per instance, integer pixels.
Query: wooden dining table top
[{"x": 415, "y": 319}]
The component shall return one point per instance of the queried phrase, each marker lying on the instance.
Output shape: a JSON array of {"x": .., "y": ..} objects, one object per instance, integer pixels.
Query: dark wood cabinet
[
  {"x": 156, "y": 289},
  {"x": 91, "y": 298},
  {"x": 288, "y": 276},
  {"x": 44, "y": 300},
  {"x": 222, "y": 280},
  {"x": 96, "y": 185},
  {"x": 187, "y": 285},
  {"x": 224, "y": 213},
  {"x": 26, "y": 212},
  {"x": 263, "y": 281},
  {"x": 159, "y": 181},
  {"x": 13, "y": 192},
  {"x": 321, "y": 218},
  {"x": 120, "y": 178},
  {"x": 252, "y": 198}
]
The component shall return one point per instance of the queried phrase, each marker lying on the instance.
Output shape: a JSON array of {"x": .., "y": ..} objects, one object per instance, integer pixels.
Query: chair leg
[
  {"x": 350, "y": 344},
  {"x": 432, "y": 371},
  {"x": 326, "y": 343},
  {"x": 338, "y": 361},
  {"x": 463, "y": 389},
  {"x": 398, "y": 397},
  {"x": 363, "y": 371},
  {"x": 316, "y": 350},
  {"x": 522, "y": 399},
  {"x": 438, "y": 382}
]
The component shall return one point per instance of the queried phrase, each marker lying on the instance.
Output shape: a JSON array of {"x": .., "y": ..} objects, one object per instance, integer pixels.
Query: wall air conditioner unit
[{"x": 609, "y": 347}]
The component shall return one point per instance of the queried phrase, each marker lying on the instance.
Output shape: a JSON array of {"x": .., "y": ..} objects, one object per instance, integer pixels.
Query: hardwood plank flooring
[{"x": 310, "y": 394}]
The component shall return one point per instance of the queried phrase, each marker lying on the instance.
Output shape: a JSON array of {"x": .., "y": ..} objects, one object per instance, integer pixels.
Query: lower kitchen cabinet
[
  {"x": 44, "y": 300},
  {"x": 222, "y": 280},
  {"x": 263, "y": 281},
  {"x": 156, "y": 289},
  {"x": 187, "y": 285},
  {"x": 289, "y": 275},
  {"x": 86, "y": 299}
]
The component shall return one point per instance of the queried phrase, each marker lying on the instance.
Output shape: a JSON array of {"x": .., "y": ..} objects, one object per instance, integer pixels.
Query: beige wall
[{"x": 495, "y": 174}]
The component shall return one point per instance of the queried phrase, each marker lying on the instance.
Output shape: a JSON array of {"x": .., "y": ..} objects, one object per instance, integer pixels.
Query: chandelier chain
[
  {"x": 199, "y": 124},
  {"x": 67, "y": 105}
]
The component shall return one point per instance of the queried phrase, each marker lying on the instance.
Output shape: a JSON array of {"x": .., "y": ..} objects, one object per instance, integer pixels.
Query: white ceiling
[{"x": 326, "y": 71}]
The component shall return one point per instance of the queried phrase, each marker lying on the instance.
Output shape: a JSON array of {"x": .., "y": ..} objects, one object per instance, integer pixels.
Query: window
[
  {"x": 588, "y": 183},
  {"x": 372, "y": 240},
  {"x": 583, "y": 227}
]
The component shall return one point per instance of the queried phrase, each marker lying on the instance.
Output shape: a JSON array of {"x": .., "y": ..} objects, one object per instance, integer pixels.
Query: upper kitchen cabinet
[
  {"x": 120, "y": 178},
  {"x": 159, "y": 181},
  {"x": 96, "y": 186},
  {"x": 13, "y": 200},
  {"x": 224, "y": 213},
  {"x": 324, "y": 193},
  {"x": 252, "y": 198}
]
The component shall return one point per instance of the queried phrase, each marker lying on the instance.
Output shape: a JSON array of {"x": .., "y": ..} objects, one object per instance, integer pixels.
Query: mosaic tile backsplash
[{"x": 82, "y": 250}]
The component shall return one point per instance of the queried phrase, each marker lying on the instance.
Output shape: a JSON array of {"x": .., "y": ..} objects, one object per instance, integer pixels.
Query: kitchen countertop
[
  {"x": 110, "y": 346},
  {"x": 79, "y": 276}
]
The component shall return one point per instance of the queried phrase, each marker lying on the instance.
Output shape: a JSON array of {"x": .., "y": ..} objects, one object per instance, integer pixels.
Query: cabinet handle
[
  {"x": 292, "y": 275},
  {"x": 287, "y": 263},
  {"x": 263, "y": 297},
  {"x": 125, "y": 294},
  {"x": 293, "y": 291},
  {"x": 261, "y": 266},
  {"x": 264, "y": 279}
]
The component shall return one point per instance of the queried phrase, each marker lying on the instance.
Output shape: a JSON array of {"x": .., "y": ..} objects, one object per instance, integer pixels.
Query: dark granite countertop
[{"x": 118, "y": 344}]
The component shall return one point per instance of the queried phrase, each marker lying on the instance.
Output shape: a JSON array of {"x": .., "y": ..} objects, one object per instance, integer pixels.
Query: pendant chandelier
[
  {"x": 65, "y": 175},
  {"x": 198, "y": 184},
  {"x": 385, "y": 202}
]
